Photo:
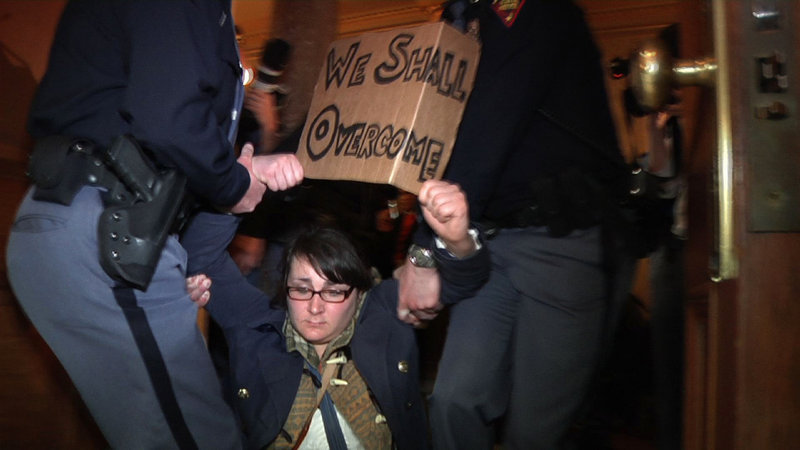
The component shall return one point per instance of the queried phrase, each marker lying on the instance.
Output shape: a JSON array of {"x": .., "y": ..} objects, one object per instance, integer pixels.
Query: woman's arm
[{"x": 233, "y": 299}]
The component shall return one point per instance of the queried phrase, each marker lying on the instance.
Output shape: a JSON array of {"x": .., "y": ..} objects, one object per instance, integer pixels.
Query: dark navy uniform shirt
[
  {"x": 546, "y": 59},
  {"x": 164, "y": 71}
]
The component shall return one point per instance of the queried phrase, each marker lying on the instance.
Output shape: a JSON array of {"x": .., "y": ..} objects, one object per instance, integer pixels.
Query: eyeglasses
[{"x": 328, "y": 295}]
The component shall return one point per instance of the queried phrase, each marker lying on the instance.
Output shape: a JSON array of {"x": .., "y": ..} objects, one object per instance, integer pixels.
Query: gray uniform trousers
[
  {"x": 54, "y": 271},
  {"x": 526, "y": 346}
]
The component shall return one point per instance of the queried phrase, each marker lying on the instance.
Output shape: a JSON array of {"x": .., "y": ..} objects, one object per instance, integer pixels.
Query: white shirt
[{"x": 316, "y": 439}]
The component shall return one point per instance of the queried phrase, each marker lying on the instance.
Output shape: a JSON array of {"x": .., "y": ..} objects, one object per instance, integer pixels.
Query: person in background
[
  {"x": 265, "y": 96},
  {"x": 397, "y": 222},
  {"x": 536, "y": 153},
  {"x": 332, "y": 366},
  {"x": 137, "y": 112}
]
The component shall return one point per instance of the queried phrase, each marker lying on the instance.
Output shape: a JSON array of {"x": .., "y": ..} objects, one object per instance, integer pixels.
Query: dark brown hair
[{"x": 332, "y": 254}]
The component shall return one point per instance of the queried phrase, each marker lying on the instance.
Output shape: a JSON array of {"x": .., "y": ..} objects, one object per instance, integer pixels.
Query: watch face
[{"x": 421, "y": 257}]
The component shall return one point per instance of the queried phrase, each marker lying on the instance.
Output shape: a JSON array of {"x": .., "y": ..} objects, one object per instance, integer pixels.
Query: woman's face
[{"x": 318, "y": 321}]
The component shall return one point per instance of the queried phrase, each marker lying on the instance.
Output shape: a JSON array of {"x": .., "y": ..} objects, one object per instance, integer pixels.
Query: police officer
[
  {"x": 168, "y": 75},
  {"x": 525, "y": 348}
]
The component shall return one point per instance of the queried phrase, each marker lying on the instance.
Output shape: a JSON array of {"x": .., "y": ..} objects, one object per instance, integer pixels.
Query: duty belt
[
  {"x": 570, "y": 200},
  {"x": 143, "y": 205}
]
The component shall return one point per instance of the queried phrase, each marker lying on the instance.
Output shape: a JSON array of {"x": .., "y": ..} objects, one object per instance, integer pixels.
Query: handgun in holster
[{"x": 143, "y": 204}]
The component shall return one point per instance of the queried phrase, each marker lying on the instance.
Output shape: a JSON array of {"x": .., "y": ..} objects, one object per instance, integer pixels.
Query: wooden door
[
  {"x": 743, "y": 170},
  {"x": 751, "y": 395}
]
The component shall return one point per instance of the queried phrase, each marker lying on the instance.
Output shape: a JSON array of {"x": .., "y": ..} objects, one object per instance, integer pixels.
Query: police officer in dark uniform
[
  {"x": 537, "y": 155},
  {"x": 143, "y": 98}
]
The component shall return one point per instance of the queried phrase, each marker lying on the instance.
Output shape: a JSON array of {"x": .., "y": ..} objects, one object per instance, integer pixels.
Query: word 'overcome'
[{"x": 362, "y": 140}]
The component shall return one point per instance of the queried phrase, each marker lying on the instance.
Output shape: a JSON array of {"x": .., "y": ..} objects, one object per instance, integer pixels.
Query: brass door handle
[{"x": 654, "y": 72}]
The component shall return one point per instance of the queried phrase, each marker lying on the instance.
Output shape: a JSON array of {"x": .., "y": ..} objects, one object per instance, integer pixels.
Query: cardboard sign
[{"x": 387, "y": 106}]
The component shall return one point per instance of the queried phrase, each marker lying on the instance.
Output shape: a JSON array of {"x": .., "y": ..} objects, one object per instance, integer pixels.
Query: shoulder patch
[{"x": 507, "y": 10}]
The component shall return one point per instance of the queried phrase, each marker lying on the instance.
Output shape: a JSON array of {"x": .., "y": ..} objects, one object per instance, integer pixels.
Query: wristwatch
[{"x": 421, "y": 256}]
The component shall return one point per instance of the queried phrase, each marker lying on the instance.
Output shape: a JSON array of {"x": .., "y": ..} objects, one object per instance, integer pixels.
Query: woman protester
[{"x": 329, "y": 364}]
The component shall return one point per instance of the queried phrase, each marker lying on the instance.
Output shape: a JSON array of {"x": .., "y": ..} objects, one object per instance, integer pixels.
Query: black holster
[{"x": 143, "y": 204}]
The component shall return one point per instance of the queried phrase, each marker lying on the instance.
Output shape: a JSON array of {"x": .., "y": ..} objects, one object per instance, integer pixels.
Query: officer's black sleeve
[{"x": 182, "y": 60}]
